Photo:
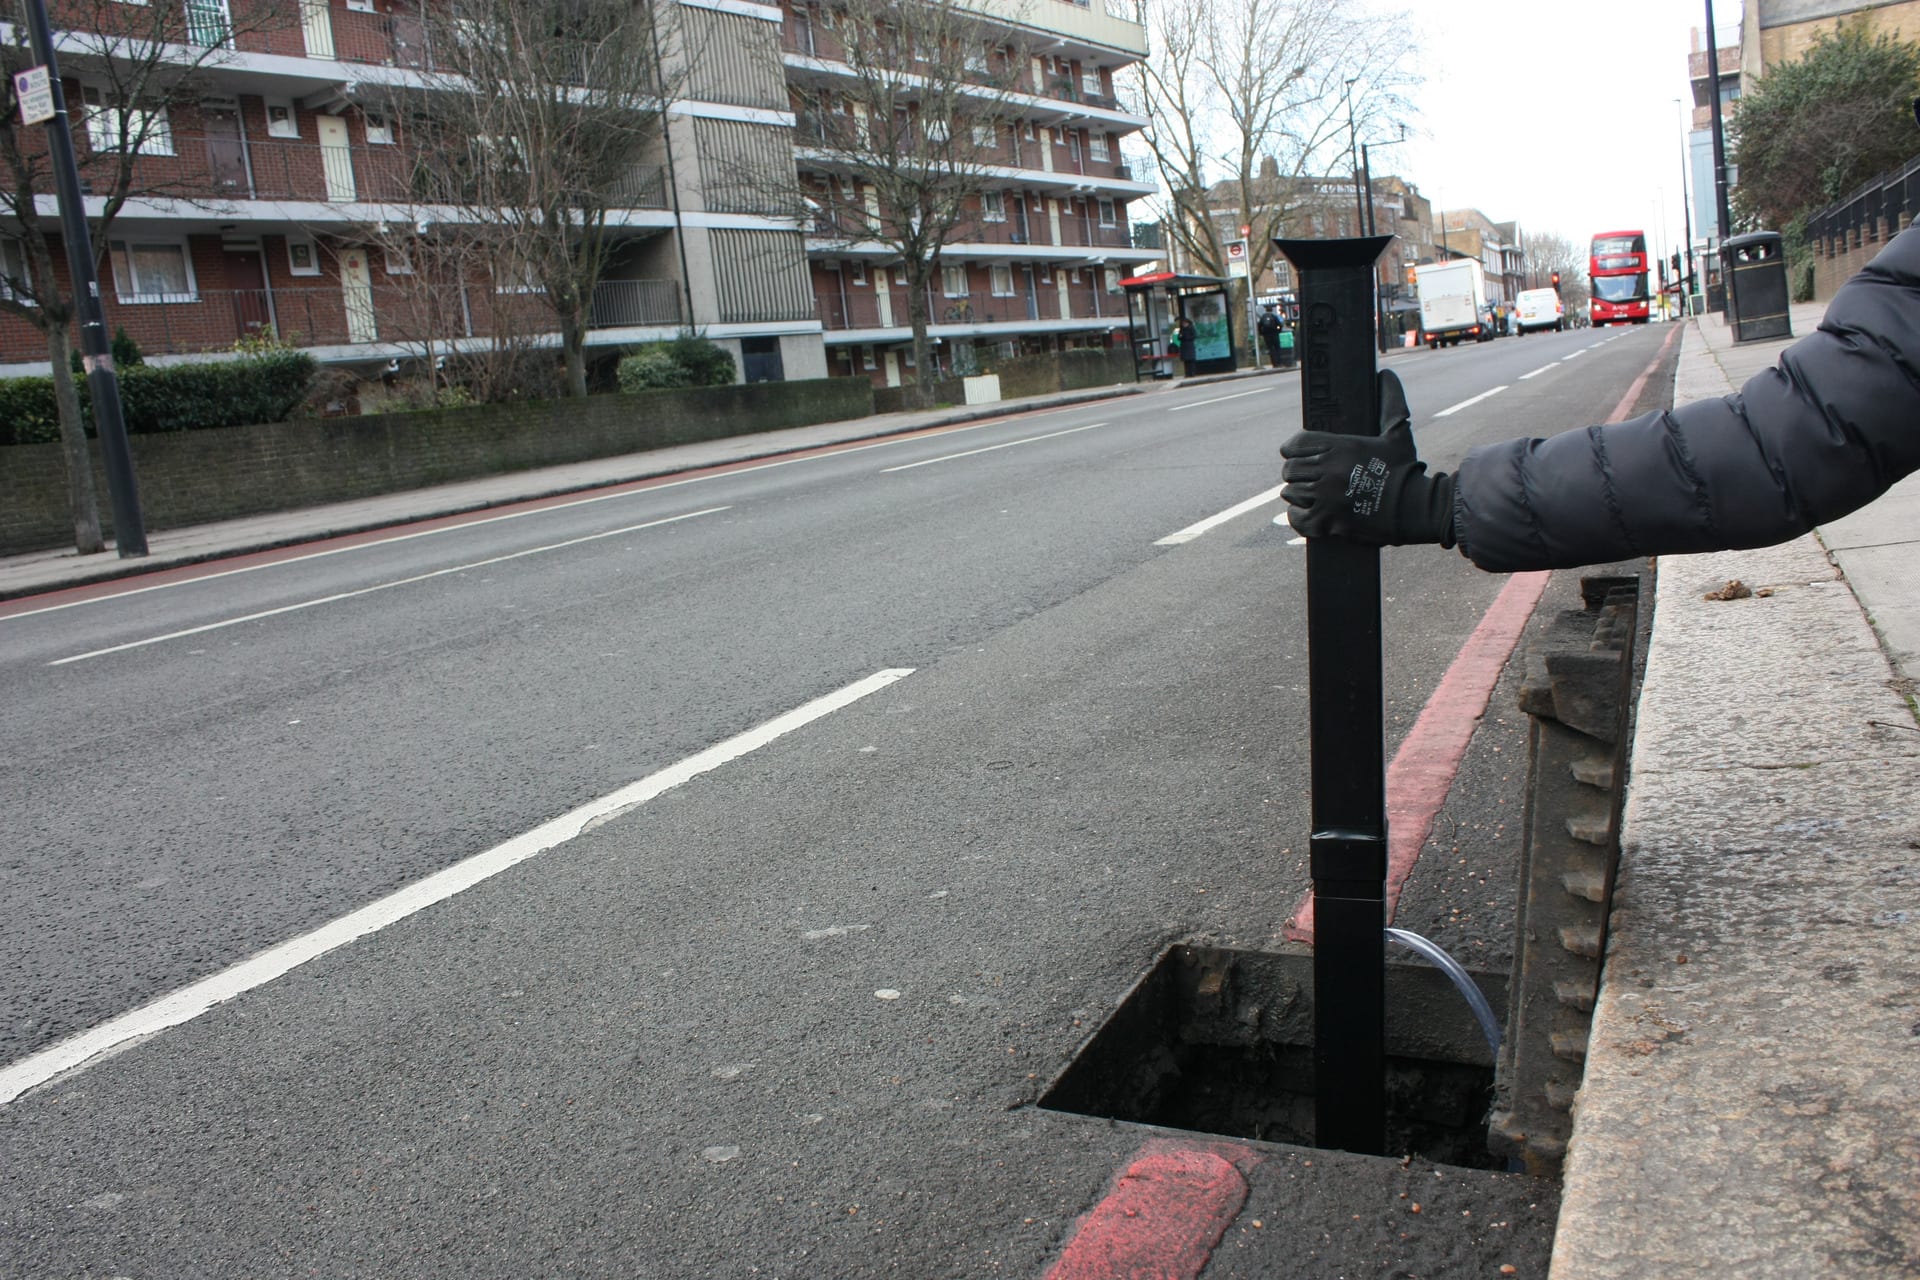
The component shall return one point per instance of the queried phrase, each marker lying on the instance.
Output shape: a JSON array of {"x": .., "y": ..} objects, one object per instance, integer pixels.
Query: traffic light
[
  {"x": 1556, "y": 280},
  {"x": 1676, "y": 266}
]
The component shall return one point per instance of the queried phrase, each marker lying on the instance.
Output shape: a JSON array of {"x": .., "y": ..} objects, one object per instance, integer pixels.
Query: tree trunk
[
  {"x": 923, "y": 370},
  {"x": 81, "y": 495},
  {"x": 573, "y": 342}
]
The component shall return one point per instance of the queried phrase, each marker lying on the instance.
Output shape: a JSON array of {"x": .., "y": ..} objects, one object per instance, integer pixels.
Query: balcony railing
[
  {"x": 286, "y": 169},
  {"x": 862, "y": 308},
  {"x": 407, "y": 314}
]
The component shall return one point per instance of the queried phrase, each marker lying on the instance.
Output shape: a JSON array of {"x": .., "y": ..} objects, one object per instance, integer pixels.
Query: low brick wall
[
  {"x": 1023, "y": 376},
  {"x": 1837, "y": 258},
  {"x": 193, "y": 477}
]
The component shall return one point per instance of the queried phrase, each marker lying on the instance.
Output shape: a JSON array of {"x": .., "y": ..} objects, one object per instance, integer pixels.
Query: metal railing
[
  {"x": 408, "y": 313},
  {"x": 1871, "y": 212},
  {"x": 860, "y": 307}
]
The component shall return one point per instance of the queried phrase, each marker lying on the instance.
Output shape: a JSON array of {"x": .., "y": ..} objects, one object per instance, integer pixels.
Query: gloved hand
[{"x": 1372, "y": 490}]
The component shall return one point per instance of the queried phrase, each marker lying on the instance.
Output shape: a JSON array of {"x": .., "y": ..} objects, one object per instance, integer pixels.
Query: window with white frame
[
  {"x": 953, "y": 280},
  {"x": 1046, "y": 274},
  {"x": 360, "y": 6},
  {"x": 379, "y": 128},
  {"x": 867, "y": 360},
  {"x": 1112, "y": 279},
  {"x": 1097, "y": 146},
  {"x": 859, "y": 272},
  {"x": 977, "y": 60},
  {"x": 993, "y": 206},
  {"x": 151, "y": 127},
  {"x": 280, "y": 120},
  {"x": 516, "y": 276},
  {"x": 936, "y": 129},
  {"x": 1090, "y": 79},
  {"x": 1001, "y": 276},
  {"x": 15, "y": 280},
  {"x": 900, "y": 273},
  {"x": 303, "y": 258},
  {"x": 1027, "y": 131},
  {"x": 152, "y": 271},
  {"x": 985, "y": 135},
  {"x": 1107, "y": 216},
  {"x": 398, "y": 261}
]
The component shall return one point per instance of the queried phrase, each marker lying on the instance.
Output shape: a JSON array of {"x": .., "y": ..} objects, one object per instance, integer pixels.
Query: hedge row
[{"x": 181, "y": 397}]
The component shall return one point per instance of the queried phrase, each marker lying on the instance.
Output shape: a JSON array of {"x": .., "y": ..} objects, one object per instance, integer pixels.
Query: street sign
[
  {"x": 1237, "y": 258},
  {"x": 34, "y": 88}
]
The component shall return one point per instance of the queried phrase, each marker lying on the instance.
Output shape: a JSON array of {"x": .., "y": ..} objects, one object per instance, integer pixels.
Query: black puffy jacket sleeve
[{"x": 1832, "y": 426}]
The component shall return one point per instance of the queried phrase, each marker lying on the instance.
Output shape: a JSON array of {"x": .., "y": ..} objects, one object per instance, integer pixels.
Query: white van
[{"x": 1539, "y": 309}]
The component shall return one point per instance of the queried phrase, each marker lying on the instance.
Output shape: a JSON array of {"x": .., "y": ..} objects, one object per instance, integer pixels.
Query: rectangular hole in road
[{"x": 1220, "y": 1041}]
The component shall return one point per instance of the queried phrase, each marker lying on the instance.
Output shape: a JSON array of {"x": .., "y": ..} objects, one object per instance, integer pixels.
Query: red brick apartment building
[{"x": 280, "y": 198}]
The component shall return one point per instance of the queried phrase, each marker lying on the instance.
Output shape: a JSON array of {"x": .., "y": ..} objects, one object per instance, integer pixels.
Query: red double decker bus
[{"x": 1617, "y": 271}]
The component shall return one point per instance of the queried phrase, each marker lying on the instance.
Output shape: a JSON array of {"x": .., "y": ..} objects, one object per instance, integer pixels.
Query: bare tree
[
  {"x": 147, "y": 65},
  {"x": 903, "y": 137},
  {"x": 1250, "y": 99},
  {"x": 541, "y": 123},
  {"x": 1547, "y": 253}
]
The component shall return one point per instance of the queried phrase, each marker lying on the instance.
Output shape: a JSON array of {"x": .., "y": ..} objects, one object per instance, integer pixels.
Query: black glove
[{"x": 1372, "y": 490}]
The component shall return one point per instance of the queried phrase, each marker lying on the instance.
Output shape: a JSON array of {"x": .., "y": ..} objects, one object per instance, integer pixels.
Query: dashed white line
[
  {"x": 1537, "y": 372},
  {"x": 1193, "y": 531},
  {"x": 927, "y": 462},
  {"x": 1182, "y": 408},
  {"x": 378, "y": 586},
  {"x": 191, "y": 1001},
  {"x": 1466, "y": 403}
]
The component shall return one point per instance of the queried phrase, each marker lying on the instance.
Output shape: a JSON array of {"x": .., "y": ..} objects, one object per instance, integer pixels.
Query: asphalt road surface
[{"x": 715, "y": 991}]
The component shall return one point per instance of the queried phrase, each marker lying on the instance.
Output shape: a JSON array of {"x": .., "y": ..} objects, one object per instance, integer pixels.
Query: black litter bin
[{"x": 1756, "y": 272}]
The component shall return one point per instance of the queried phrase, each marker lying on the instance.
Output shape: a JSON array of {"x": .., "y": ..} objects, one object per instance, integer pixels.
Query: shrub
[
  {"x": 687, "y": 361},
  {"x": 28, "y": 414},
  {"x": 651, "y": 367},
  {"x": 181, "y": 397},
  {"x": 126, "y": 353}
]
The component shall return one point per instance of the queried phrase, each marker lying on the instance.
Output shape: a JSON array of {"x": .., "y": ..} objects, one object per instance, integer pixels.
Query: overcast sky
[{"x": 1559, "y": 113}]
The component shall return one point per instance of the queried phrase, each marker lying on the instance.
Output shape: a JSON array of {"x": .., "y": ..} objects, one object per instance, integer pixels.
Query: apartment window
[
  {"x": 953, "y": 281},
  {"x": 398, "y": 261},
  {"x": 360, "y": 6},
  {"x": 1107, "y": 218},
  {"x": 977, "y": 60},
  {"x": 993, "y": 206},
  {"x": 1046, "y": 274},
  {"x": 152, "y": 272},
  {"x": 1001, "y": 276},
  {"x": 1090, "y": 80},
  {"x": 1097, "y": 146},
  {"x": 302, "y": 258},
  {"x": 379, "y": 128},
  {"x": 866, "y": 359},
  {"x": 859, "y": 272},
  {"x": 985, "y": 135},
  {"x": 1112, "y": 280},
  {"x": 900, "y": 273},
  {"x": 936, "y": 129},
  {"x": 14, "y": 277},
  {"x": 280, "y": 120},
  {"x": 151, "y": 127},
  {"x": 1028, "y": 131}
]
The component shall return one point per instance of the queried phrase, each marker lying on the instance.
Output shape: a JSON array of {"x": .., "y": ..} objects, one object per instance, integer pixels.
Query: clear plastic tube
[{"x": 1476, "y": 998}]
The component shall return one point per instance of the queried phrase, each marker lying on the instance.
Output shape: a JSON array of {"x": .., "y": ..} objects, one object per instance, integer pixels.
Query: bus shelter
[{"x": 1155, "y": 306}]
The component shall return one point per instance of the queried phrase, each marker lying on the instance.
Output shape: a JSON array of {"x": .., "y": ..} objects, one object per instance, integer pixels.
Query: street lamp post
[{"x": 1686, "y": 217}]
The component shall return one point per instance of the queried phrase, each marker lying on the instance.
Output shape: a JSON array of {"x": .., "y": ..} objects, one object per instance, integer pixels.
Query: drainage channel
[{"x": 1220, "y": 1041}]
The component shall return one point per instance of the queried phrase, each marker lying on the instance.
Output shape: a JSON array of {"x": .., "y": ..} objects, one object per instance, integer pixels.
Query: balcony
[
  {"x": 855, "y": 308},
  {"x": 327, "y": 315},
  {"x": 286, "y": 169}
]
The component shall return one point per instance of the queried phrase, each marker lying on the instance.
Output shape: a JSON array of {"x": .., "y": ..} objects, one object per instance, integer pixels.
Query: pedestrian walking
[
  {"x": 1269, "y": 327},
  {"x": 1832, "y": 426}
]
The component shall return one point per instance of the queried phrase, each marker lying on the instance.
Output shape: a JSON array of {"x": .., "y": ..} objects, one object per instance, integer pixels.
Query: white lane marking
[
  {"x": 1537, "y": 372},
  {"x": 927, "y": 462},
  {"x": 1193, "y": 531},
  {"x": 1465, "y": 403},
  {"x": 1574, "y": 355},
  {"x": 378, "y": 586},
  {"x": 760, "y": 465},
  {"x": 1182, "y": 408},
  {"x": 191, "y": 1001}
]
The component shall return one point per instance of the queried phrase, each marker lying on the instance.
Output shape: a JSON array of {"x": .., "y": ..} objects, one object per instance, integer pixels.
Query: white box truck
[{"x": 1453, "y": 296}]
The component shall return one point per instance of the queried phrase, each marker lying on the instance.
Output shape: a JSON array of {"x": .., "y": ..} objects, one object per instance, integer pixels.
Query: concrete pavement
[{"x": 1754, "y": 1068}]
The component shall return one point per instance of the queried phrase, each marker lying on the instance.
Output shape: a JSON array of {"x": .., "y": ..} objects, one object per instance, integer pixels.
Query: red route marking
[
  {"x": 1423, "y": 769},
  {"x": 1163, "y": 1216}
]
